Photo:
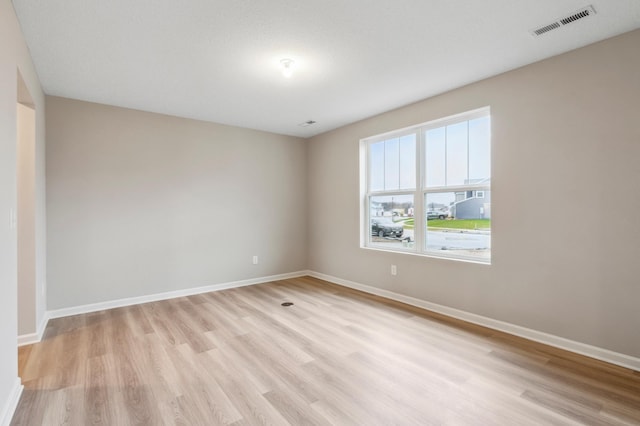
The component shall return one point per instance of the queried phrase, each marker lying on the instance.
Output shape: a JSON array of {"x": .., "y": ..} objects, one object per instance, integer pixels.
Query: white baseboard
[
  {"x": 12, "y": 403},
  {"x": 612, "y": 357},
  {"x": 616, "y": 358},
  {"x": 94, "y": 307},
  {"x": 28, "y": 339}
]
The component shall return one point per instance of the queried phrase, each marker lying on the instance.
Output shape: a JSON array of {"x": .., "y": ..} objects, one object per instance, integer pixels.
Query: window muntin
[
  {"x": 458, "y": 154},
  {"x": 480, "y": 149},
  {"x": 456, "y": 141},
  {"x": 442, "y": 200},
  {"x": 393, "y": 163},
  {"x": 436, "y": 157}
]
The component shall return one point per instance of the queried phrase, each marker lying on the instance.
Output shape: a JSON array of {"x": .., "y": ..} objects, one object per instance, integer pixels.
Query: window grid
[{"x": 420, "y": 214}]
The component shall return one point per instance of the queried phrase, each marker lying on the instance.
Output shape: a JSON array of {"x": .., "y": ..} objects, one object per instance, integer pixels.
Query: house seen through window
[{"x": 428, "y": 188}]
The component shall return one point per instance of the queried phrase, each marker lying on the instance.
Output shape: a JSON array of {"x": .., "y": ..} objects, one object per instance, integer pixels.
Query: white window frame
[{"x": 419, "y": 192}]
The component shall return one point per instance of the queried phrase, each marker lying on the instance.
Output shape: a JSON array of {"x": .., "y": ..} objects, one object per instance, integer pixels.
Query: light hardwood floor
[{"x": 337, "y": 356}]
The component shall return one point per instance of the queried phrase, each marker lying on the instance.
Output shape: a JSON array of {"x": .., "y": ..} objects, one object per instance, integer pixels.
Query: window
[{"x": 427, "y": 188}]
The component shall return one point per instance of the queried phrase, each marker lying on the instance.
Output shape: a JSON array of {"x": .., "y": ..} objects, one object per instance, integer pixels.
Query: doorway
[{"x": 26, "y": 211}]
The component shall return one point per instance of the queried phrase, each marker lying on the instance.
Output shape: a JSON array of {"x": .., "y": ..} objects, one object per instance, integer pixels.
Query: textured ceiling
[{"x": 218, "y": 60}]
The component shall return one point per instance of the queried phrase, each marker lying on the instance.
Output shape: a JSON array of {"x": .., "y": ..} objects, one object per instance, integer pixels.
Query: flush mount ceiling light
[{"x": 287, "y": 67}]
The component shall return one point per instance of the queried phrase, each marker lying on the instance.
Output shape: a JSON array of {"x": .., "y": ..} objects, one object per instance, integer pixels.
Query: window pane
[
  {"x": 479, "y": 150},
  {"x": 435, "y": 157},
  {"x": 376, "y": 168},
  {"x": 408, "y": 161},
  {"x": 391, "y": 221},
  {"x": 391, "y": 164},
  {"x": 457, "y": 159},
  {"x": 457, "y": 154},
  {"x": 459, "y": 223}
]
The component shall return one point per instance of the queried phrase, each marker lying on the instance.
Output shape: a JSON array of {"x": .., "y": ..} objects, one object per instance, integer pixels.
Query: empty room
[{"x": 246, "y": 213}]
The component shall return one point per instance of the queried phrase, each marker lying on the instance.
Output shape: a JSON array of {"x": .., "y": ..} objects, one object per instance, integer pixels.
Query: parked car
[
  {"x": 385, "y": 227},
  {"x": 434, "y": 214}
]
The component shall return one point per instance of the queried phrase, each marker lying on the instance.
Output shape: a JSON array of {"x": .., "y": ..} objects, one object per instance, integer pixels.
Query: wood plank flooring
[{"x": 336, "y": 357}]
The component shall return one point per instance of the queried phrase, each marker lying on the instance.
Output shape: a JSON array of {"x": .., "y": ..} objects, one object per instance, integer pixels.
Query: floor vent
[{"x": 580, "y": 14}]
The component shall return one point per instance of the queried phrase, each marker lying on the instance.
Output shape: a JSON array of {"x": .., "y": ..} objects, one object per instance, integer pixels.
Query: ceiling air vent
[
  {"x": 546, "y": 28},
  {"x": 585, "y": 12}
]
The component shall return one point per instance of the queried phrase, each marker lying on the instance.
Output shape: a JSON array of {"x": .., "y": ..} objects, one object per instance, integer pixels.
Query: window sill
[{"x": 429, "y": 255}]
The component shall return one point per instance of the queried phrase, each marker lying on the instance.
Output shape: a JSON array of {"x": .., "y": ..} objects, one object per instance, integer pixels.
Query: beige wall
[
  {"x": 566, "y": 154},
  {"x": 141, "y": 203},
  {"x": 14, "y": 57}
]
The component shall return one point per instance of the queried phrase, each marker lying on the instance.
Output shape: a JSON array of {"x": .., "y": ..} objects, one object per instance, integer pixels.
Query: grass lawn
[
  {"x": 460, "y": 223},
  {"x": 451, "y": 224},
  {"x": 407, "y": 223}
]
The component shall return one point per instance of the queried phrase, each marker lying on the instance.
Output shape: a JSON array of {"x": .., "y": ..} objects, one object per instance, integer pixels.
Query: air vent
[
  {"x": 546, "y": 28},
  {"x": 307, "y": 123},
  {"x": 560, "y": 22},
  {"x": 582, "y": 14}
]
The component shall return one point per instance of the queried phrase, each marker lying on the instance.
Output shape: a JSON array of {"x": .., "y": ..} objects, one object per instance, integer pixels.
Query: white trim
[
  {"x": 431, "y": 255},
  {"x": 28, "y": 339},
  {"x": 602, "y": 354},
  {"x": 431, "y": 124},
  {"x": 421, "y": 191},
  {"x": 392, "y": 193},
  {"x": 100, "y": 306},
  {"x": 12, "y": 403}
]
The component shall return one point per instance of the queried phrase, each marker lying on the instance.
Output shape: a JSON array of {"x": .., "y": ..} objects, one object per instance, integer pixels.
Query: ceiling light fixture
[{"x": 287, "y": 67}]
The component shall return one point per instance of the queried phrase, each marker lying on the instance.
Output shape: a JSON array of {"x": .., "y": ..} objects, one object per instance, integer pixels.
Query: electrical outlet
[
  {"x": 394, "y": 270},
  {"x": 255, "y": 260}
]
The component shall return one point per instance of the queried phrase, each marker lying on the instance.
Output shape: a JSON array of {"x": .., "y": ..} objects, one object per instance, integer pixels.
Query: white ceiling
[{"x": 218, "y": 60}]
